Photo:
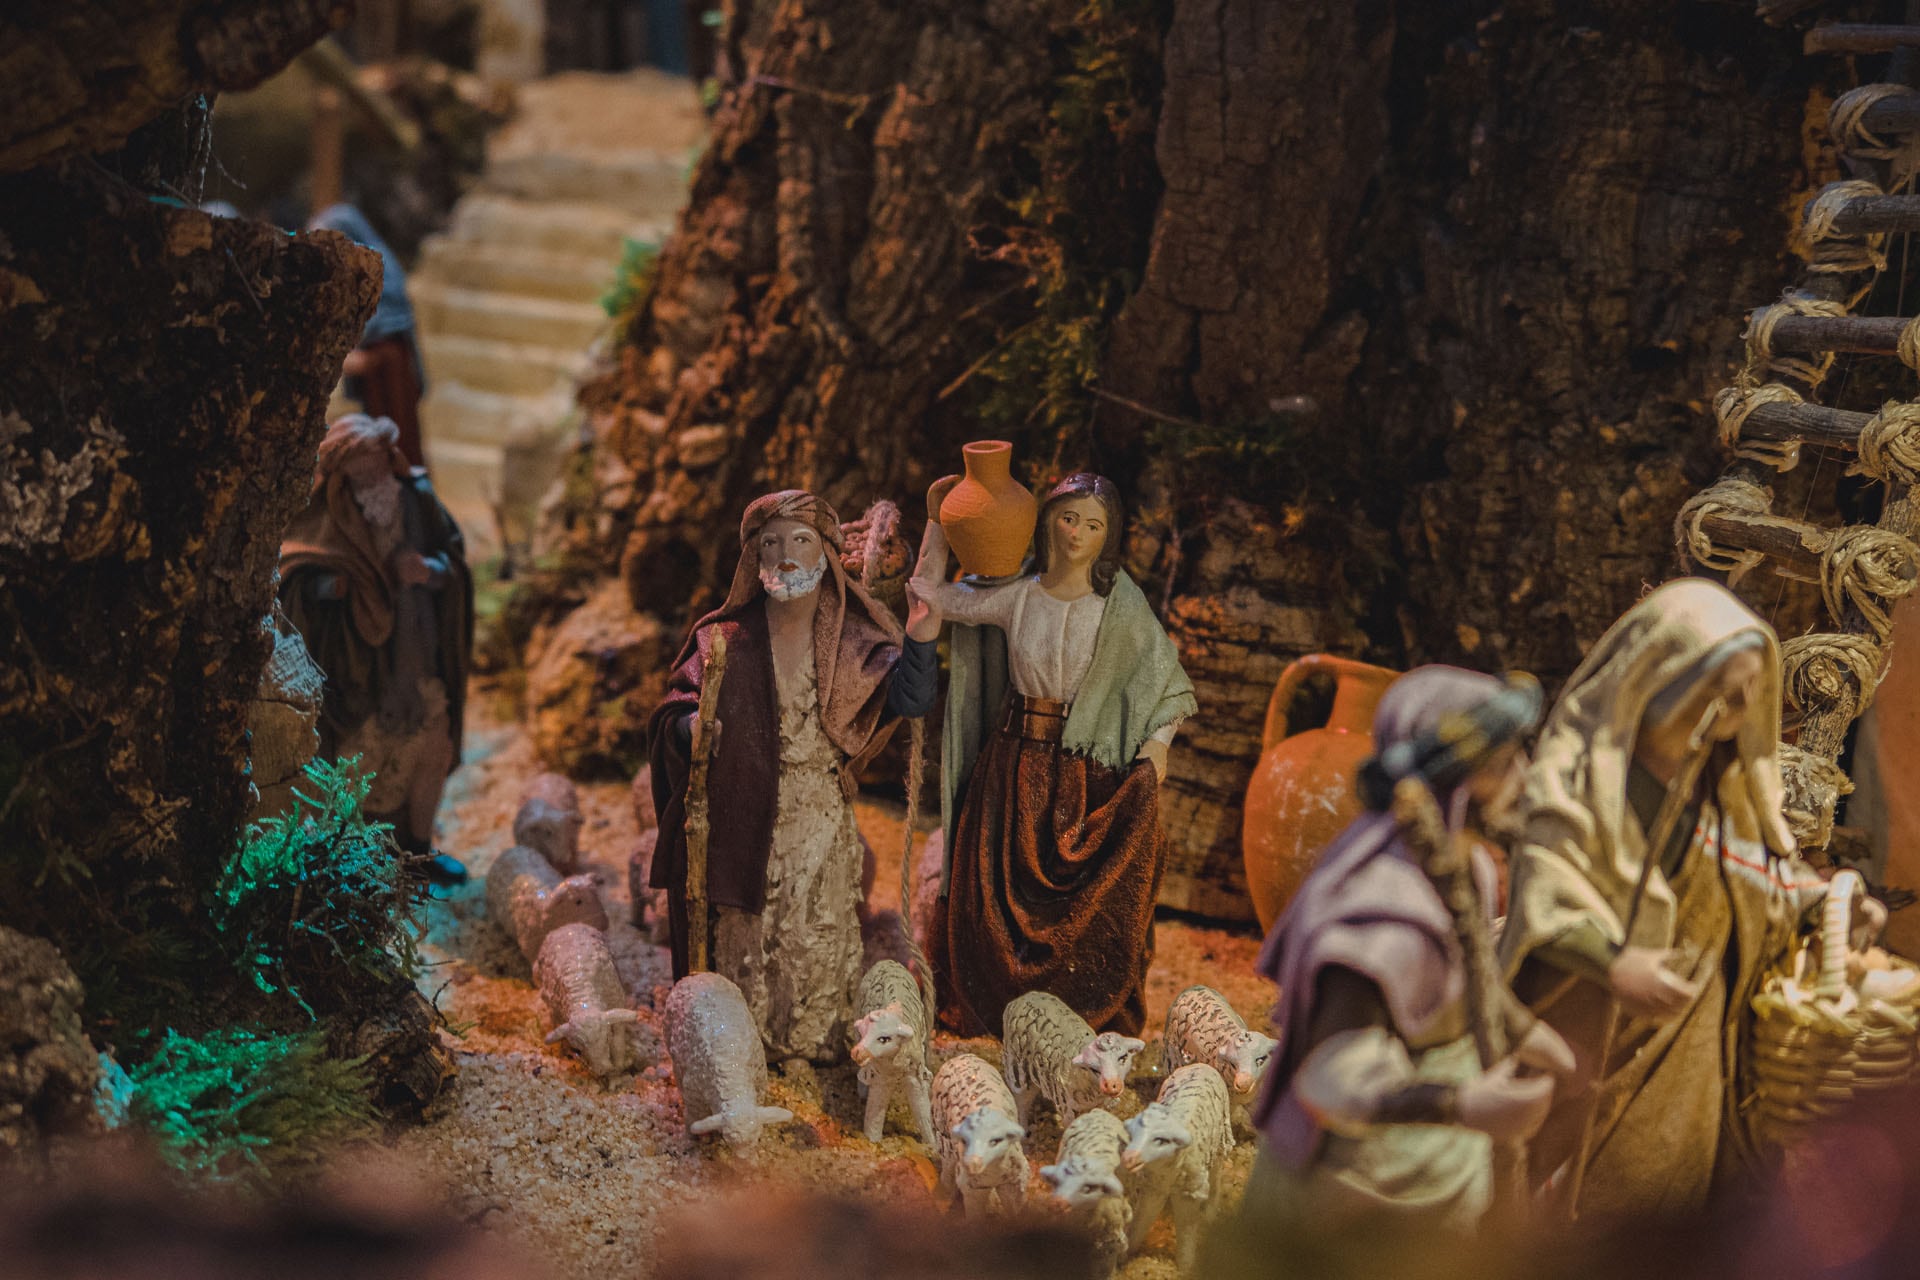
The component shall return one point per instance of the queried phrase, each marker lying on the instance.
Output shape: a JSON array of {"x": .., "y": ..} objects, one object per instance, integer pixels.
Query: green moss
[
  {"x": 631, "y": 284},
  {"x": 316, "y": 898},
  {"x": 245, "y": 1104}
]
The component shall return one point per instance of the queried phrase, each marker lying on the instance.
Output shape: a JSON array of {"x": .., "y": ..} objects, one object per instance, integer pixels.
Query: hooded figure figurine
[
  {"x": 1686, "y": 684},
  {"x": 1376, "y": 1100},
  {"x": 803, "y": 704},
  {"x": 384, "y": 372},
  {"x": 373, "y": 574}
]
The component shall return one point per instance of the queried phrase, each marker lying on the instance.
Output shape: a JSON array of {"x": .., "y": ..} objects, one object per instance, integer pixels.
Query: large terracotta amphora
[
  {"x": 988, "y": 517},
  {"x": 1302, "y": 793}
]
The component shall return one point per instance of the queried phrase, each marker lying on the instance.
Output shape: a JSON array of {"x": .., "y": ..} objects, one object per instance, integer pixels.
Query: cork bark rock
[{"x": 49, "y": 1069}]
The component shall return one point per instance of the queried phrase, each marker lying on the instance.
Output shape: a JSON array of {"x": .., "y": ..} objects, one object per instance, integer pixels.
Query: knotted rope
[
  {"x": 1730, "y": 496},
  {"x": 1810, "y": 369},
  {"x": 1735, "y": 404},
  {"x": 1890, "y": 442},
  {"x": 1825, "y": 666},
  {"x": 1846, "y": 122},
  {"x": 1868, "y": 568},
  {"x": 1835, "y": 251},
  {"x": 1814, "y": 784}
]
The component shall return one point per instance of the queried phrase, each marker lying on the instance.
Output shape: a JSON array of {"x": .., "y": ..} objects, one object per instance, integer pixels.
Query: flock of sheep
[{"x": 1114, "y": 1178}]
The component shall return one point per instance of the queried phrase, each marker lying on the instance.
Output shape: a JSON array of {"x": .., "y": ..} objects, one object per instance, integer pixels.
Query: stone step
[
  {"x": 587, "y": 229},
  {"x": 506, "y": 268},
  {"x": 451, "y": 312},
  {"x": 514, "y": 368},
  {"x": 467, "y": 478},
  {"x": 647, "y": 184},
  {"x": 455, "y": 411}
]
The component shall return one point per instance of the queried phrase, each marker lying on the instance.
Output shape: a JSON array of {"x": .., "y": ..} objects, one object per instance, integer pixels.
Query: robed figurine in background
[
  {"x": 803, "y": 704},
  {"x": 373, "y": 574}
]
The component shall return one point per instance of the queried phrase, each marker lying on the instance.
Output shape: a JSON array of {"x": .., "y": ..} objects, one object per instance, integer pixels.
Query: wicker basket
[{"x": 1817, "y": 1044}]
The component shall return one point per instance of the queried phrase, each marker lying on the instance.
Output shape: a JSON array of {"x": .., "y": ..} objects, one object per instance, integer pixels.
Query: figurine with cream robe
[
  {"x": 1065, "y": 694},
  {"x": 1377, "y": 1100},
  {"x": 1646, "y": 959},
  {"x": 806, "y": 698}
]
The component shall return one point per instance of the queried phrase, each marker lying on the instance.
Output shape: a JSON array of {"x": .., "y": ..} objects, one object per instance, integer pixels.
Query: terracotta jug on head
[
  {"x": 1302, "y": 794},
  {"x": 989, "y": 516}
]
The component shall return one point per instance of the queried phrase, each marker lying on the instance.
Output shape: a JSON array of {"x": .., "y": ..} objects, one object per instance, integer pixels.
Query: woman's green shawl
[{"x": 1134, "y": 687}]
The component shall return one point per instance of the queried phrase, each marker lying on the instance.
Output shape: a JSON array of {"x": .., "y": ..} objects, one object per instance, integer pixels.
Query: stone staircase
[{"x": 507, "y": 297}]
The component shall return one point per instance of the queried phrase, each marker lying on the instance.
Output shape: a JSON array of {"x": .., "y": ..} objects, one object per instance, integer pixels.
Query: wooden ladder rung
[
  {"x": 1868, "y": 335},
  {"x": 1813, "y": 424},
  {"x": 1792, "y": 545},
  {"x": 1858, "y": 37},
  {"x": 1899, "y": 113},
  {"x": 1878, "y": 215}
]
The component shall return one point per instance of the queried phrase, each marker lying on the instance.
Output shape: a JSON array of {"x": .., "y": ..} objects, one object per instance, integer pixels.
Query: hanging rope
[
  {"x": 1868, "y": 568},
  {"x": 1731, "y": 497},
  {"x": 1847, "y": 122},
  {"x": 1735, "y": 404},
  {"x": 1810, "y": 369},
  {"x": 1823, "y": 668},
  {"x": 1890, "y": 444},
  {"x": 1836, "y": 252}
]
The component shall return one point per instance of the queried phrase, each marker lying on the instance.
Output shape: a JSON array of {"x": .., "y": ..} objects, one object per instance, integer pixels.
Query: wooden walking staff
[{"x": 706, "y": 736}]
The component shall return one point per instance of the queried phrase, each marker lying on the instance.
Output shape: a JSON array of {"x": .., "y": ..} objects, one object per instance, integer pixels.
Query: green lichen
[
  {"x": 244, "y": 1104},
  {"x": 632, "y": 281}
]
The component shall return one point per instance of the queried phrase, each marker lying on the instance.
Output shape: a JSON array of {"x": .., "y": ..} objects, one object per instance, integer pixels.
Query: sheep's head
[
  {"x": 1109, "y": 1056},
  {"x": 1078, "y": 1183},
  {"x": 606, "y": 1041},
  {"x": 990, "y": 1138},
  {"x": 1242, "y": 1060},
  {"x": 882, "y": 1034},
  {"x": 1154, "y": 1135}
]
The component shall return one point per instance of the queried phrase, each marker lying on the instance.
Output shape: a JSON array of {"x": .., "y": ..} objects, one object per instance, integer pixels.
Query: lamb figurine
[
  {"x": 1051, "y": 1052},
  {"x": 894, "y": 1038},
  {"x": 1175, "y": 1148},
  {"x": 977, "y": 1138},
  {"x": 1203, "y": 1027},
  {"x": 549, "y": 821},
  {"x": 586, "y": 1001},
  {"x": 527, "y": 898},
  {"x": 718, "y": 1061},
  {"x": 1085, "y": 1178}
]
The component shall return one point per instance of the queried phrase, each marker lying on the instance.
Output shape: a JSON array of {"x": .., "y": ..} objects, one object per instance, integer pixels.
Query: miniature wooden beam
[
  {"x": 1791, "y": 545},
  {"x": 1897, "y": 114},
  {"x": 1854, "y": 37},
  {"x": 1870, "y": 335},
  {"x": 1878, "y": 215},
  {"x": 1812, "y": 423},
  {"x": 1779, "y": 11}
]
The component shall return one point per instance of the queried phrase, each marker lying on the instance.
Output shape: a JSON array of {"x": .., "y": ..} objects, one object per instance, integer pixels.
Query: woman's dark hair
[{"x": 1085, "y": 484}]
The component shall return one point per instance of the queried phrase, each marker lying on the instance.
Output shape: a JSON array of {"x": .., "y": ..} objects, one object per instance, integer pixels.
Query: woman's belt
[{"x": 1034, "y": 719}]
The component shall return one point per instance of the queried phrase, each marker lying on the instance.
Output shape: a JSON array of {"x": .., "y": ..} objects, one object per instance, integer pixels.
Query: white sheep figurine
[
  {"x": 549, "y": 821},
  {"x": 1203, "y": 1027},
  {"x": 529, "y": 899},
  {"x": 977, "y": 1137},
  {"x": 586, "y": 1002},
  {"x": 893, "y": 1040},
  {"x": 1175, "y": 1148},
  {"x": 1051, "y": 1052},
  {"x": 1087, "y": 1182},
  {"x": 718, "y": 1061}
]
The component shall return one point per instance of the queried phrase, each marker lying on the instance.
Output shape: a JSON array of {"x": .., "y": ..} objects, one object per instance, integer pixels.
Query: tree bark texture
[
  {"x": 164, "y": 394},
  {"x": 1415, "y": 362},
  {"x": 79, "y": 76}
]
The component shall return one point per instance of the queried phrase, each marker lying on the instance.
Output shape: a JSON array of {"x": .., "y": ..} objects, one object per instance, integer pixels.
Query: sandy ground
[{"x": 580, "y": 1173}]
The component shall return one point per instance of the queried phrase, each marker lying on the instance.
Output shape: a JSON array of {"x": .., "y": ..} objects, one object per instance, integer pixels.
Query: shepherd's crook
[{"x": 706, "y": 732}]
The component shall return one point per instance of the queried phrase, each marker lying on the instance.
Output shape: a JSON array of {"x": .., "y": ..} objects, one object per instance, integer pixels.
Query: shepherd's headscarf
[
  {"x": 1582, "y": 851},
  {"x": 331, "y": 534}
]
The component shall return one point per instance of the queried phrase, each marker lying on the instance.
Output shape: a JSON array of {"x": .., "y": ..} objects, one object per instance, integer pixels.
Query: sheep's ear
[
  {"x": 1134, "y": 1046},
  {"x": 710, "y": 1125},
  {"x": 1089, "y": 1056},
  {"x": 1111, "y": 1185},
  {"x": 775, "y": 1115},
  {"x": 1052, "y": 1173},
  {"x": 559, "y": 1033}
]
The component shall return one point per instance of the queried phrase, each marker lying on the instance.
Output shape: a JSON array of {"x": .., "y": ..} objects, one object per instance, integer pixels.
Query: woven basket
[{"x": 1812, "y": 1055}]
